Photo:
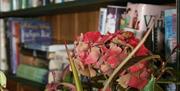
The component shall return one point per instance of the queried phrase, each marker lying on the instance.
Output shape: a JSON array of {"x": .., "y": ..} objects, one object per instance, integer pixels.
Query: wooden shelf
[
  {"x": 80, "y": 5},
  {"x": 26, "y": 82}
]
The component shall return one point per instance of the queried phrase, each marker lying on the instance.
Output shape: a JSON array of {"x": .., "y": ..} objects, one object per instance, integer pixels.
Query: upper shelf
[{"x": 79, "y": 5}]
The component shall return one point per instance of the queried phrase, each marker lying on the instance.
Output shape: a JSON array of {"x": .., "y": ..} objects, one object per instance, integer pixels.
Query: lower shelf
[{"x": 19, "y": 84}]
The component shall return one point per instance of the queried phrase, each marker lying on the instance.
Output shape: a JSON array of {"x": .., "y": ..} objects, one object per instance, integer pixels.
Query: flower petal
[{"x": 93, "y": 56}]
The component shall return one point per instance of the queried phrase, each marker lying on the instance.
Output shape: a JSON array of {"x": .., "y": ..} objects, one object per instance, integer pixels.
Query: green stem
[
  {"x": 74, "y": 70},
  {"x": 129, "y": 56}
]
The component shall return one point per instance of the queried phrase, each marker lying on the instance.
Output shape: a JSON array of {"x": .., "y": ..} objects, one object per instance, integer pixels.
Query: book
[
  {"x": 35, "y": 32},
  {"x": 27, "y": 32},
  {"x": 48, "y": 48},
  {"x": 3, "y": 58},
  {"x": 23, "y": 4},
  {"x": 32, "y": 73},
  {"x": 138, "y": 16},
  {"x": 33, "y": 61},
  {"x": 170, "y": 33},
  {"x": 14, "y": 42},
  {"x": 5, "y": 5},
  {"x": 102, "y": 20},
  {"x": 14, "y": 4},
  {"x": 113, "y": 18},
  {"x": 58, "y": 62}
]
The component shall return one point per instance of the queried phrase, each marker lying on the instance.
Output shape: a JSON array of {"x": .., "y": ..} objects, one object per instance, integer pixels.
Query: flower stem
[
  {"x": 129, "y": 56},
  {"x": 74, "y": 70}
]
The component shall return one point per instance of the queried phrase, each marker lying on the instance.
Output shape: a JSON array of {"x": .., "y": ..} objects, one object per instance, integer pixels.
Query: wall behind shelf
[{"x": 69, "y": 25}]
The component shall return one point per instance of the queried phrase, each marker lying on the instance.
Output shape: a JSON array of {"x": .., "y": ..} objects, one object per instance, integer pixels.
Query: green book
[{"x": 32, "y": 73}]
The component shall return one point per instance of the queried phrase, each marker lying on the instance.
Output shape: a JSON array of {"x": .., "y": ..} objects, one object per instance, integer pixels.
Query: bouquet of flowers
[
  {"x": 97, "y": 54},
  {"x": 120, "y": 57}
]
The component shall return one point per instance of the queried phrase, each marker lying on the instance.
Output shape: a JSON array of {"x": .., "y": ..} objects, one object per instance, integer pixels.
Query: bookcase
[{"x": 68, "y": 20}]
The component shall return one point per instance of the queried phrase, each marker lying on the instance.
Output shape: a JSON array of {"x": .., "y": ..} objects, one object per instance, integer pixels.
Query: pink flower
[
  {"x": 112, "y": 55},
  {"x": 93, "y": 56}
]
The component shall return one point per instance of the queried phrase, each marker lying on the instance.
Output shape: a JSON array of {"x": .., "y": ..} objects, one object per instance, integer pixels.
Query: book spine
[
  {"x": 23, "y": 4},
  {"x": 3, "y": 59},
  {"x": 170, "y": 34},
  {"x": 14, "y": 5},
  {"x": 102, "y": 20},
  {"x": 45, "y": 2},
  {"x": 14, "y": 40},
  {"x": 32, "y": 73},
  {"x": 33, "y": 61},
  {"x": 178, "y": 39},
  {"x": 58, "y": 1},
  {"x": 15, "y": 45},
  {"x": 5, "y": 5}
]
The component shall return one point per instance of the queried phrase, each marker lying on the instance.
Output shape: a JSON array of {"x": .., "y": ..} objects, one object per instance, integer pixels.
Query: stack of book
[
  {"x": 28, "y": 32},
  {"x": 32, "y": 54}
]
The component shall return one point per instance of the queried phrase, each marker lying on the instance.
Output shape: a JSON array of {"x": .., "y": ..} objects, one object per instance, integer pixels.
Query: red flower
[
  {"x": 138, "y": 66},
  {"x": 91, "y": 37},
  {"x": 113, "y": 61},
  {"x": 104, "y": 38},
  {"x": 137, "y": 82},
  {"x": 142, "y": 50},
  {"x": 133, "y": 41}
]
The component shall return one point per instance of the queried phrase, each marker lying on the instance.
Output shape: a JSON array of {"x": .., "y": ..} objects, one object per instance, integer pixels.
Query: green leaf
[
  {"x": 150, "y": 85},
  {"x": 2, "y": 80}
]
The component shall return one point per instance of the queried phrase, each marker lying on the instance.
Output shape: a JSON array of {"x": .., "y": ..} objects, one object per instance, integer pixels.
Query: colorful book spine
[
  {"x": 32, "y": 73},
  {"x": 170, "y": 33},
  {"x": 14, "y": 42}
]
